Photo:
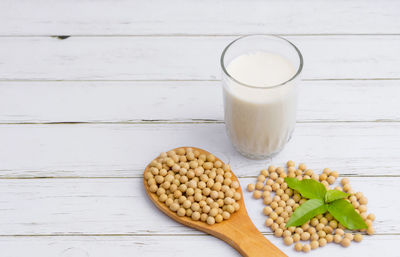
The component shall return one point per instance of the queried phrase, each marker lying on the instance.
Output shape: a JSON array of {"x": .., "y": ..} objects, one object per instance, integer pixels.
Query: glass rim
[{"x": 299, "y": 69}]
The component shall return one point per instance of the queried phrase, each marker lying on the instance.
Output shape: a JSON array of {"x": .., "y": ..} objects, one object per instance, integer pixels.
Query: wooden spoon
[{"x": 238, "y": 230}]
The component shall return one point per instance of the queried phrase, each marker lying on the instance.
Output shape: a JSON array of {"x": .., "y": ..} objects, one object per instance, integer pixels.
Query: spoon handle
[{"x": 246, "y": 239}]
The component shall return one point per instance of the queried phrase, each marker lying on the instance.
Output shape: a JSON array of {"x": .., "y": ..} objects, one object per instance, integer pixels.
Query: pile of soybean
[
  {"x": 194, "y": 184},
  {"x": 281, "y": 202}
]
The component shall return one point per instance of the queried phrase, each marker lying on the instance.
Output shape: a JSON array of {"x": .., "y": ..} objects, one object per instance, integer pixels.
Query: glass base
[
  {"x": 262, "y": 157},
  {"x": 257, "y": 156}
]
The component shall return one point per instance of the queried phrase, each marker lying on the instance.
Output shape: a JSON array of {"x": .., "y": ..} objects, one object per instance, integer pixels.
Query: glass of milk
[{"x": 259, "y": 78}]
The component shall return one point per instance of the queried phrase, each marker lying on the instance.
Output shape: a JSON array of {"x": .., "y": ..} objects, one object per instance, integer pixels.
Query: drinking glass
[{"x": 260, "y": 120}]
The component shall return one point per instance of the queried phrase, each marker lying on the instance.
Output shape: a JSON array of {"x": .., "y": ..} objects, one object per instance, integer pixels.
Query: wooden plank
[
  {"x": 121, "y": 207},
  {"x": 205, "y": 17},
  {"x": 185, "y": 58},
  {"x": 172, "y": 246},
  {"x": 46, "y": 102},
  {"x": 117, "y": 150}
]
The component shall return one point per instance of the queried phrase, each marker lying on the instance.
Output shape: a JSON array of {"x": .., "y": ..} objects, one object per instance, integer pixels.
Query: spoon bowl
[{"x": 238, "y": 231}]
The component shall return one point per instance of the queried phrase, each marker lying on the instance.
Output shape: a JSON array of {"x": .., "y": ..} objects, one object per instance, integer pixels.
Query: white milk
[{"x": 260, "y": 120}]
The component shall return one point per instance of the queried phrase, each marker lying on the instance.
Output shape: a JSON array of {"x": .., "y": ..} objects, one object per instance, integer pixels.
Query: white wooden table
[{"x": 81, "y": 116}]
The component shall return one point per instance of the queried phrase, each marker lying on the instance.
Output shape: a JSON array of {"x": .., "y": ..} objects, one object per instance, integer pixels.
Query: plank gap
[
  {"x": 194, "y": 121},
  {"x": 178, "y": 80},
  {"x": 140, "y": 177},
  {"x": 195, "y": 35},
  {"x": 146, "y": 235}
]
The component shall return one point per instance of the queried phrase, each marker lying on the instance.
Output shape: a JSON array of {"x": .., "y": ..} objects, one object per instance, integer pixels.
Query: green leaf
[
  {"x": 307, "y": 211},
  {"x": 308, "y": 188},
  {"x": 344, "y": 212},
  {"x": 333, "y": 195}
]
